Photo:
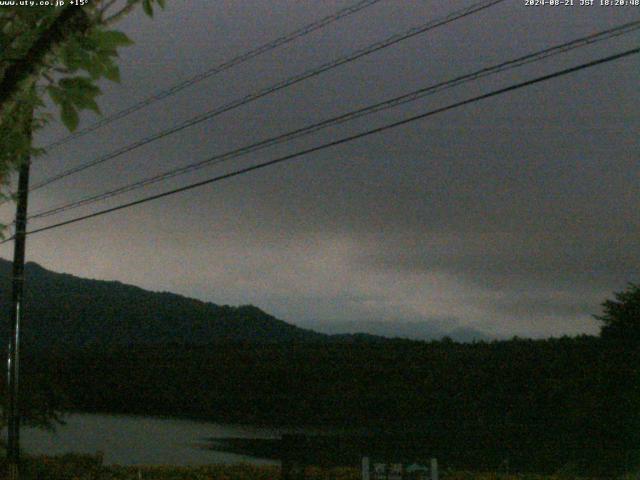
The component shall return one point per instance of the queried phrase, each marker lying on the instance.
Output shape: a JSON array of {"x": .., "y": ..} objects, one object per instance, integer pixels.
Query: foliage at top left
[{"x": 58, "y": 52}]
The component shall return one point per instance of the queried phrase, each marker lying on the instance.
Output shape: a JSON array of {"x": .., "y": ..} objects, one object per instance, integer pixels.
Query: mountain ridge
[{"x": 61, "y": 308}]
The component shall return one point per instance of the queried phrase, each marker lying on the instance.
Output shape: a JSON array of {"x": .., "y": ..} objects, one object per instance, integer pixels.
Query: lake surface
[{"x": 138, "y": 440}]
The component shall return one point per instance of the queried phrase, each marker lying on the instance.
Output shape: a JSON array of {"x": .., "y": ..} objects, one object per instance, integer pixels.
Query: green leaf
[
  {"x": 106, "y": 56},
  {"x": 90, "y": 104},
  {"x": 71, "y": 59},
  {"x": 86, "y": 102},
  {"x": 56, "y": 94},
  {"x": 74, "y": 94},
  {"x": 162, "y": 3},
  {"x": 96, "y": 69},
  {"x": 75, "y": 57},
  {"x": 89, "y": 42},
  {"x": 69, "y": 116},
  {"x": 81, "y": 83},
  {"x": 111, "y": 39},
  {"x": 146, "y": 6},
  {"x": 112, "y": 72},
  {"x": 77, "y": 88}
]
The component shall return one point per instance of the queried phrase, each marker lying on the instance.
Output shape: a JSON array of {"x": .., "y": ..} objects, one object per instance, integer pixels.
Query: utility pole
[{"x": 17, "y": 280}]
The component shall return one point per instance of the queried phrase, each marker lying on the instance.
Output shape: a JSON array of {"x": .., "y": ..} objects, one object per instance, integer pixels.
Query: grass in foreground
[{"x": 90, "y": 467}]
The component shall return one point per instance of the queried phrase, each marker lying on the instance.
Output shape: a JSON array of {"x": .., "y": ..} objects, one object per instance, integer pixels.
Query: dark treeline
[{"x": 542, "y": 405}]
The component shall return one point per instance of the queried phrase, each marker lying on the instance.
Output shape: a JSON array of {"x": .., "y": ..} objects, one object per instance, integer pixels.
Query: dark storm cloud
[{"x": 516, "y": 215}]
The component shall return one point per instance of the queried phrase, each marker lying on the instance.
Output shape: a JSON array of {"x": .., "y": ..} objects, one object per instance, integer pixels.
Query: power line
[
  {"x": 342, "y": 140},
  {"x": 394, "y": 102},
  {"x": 392, "y": 40},
  {"x": 273, "y": 44}
]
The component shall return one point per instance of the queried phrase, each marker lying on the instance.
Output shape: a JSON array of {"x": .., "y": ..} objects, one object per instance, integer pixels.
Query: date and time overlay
[
  {"x": 526, "y": 3},
  {"x": 581, "y": 3}
]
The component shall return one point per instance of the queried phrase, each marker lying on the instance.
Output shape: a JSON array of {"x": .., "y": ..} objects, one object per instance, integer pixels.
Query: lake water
[{"x": 137, "y": 440}]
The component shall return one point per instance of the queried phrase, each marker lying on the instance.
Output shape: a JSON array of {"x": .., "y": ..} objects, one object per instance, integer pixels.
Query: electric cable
[
  {"x": 392, "y": 40},
  {"x": 162, "y": 94},
  {"x": 340, "y": 141},
  {"x": 380, "y": 106}
]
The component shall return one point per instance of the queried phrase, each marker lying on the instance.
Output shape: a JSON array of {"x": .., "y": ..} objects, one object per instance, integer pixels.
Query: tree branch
[
  {"x": 107, "y": 6},
  {"x": 72, "y": 20},
  {"x": 121, "y": 13}
]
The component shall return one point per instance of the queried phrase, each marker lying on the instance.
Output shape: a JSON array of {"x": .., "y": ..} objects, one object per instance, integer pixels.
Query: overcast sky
[{"x": 517, "y": 215}]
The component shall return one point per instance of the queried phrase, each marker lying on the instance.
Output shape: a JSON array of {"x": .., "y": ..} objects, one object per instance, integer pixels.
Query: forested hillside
[{"x": 65, "y": 310}]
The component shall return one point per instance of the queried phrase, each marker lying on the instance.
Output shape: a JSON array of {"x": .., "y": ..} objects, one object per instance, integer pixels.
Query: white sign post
[
  {"x": 398, "y": 471},
  {"x": 434, "y": 469},
  {"x": 365, "y": 468}
]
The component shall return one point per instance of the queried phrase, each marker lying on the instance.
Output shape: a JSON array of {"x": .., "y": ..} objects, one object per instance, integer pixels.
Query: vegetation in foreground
[
  {"x": 538, "y": 406},
  {"x": 90, "y": 467}
]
